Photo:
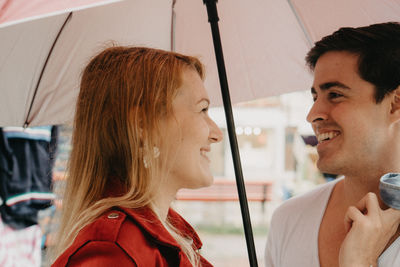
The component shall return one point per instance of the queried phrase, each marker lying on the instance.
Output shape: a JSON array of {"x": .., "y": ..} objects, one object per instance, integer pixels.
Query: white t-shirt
[{"x": 293, "y": 234}]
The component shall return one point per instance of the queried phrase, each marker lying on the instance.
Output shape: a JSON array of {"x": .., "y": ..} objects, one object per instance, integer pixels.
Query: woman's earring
[
  {"x": 145, "y": 163},
  {"x": 156, "y": 154}
]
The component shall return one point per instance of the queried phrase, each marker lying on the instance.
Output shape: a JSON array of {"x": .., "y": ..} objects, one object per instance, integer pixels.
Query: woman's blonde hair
[{"x": 124, "y": 93}]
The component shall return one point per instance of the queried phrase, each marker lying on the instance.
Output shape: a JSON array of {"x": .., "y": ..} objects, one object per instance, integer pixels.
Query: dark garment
[{"x": 25, "y": 178}]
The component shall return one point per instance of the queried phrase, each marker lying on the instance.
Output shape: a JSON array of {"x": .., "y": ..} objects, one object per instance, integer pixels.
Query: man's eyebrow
[
  {"x": 204, "y": 99},
  {"x": 329, "y": 85}
]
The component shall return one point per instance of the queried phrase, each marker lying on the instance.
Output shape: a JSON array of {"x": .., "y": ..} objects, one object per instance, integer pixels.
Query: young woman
[{"x": 141, "y": 133}]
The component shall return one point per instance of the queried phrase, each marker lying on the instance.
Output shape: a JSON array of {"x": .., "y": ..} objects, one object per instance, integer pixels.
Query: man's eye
[
  {"x": 205, "y": 110},
  {"x": 333, "y": 95}
]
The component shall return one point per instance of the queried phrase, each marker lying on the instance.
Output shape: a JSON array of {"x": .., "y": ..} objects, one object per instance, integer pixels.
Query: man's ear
[{"x": 395, "y": 104}]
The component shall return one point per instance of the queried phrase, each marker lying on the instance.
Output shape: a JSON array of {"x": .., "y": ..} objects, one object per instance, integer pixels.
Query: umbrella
[
  {"x": 45, "y": 46},
  {"x": 265, "y": 42}
]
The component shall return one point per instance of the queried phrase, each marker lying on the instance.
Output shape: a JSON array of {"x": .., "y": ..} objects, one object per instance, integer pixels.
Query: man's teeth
[
  {"x": 326, "y": 136},
  {"x": 203, "y": 153}
]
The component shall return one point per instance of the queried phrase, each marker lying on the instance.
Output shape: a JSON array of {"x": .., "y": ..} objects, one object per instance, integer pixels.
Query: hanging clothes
[
  {"x": 27, "y": 157},
  {"x": 20, "y": 247}
]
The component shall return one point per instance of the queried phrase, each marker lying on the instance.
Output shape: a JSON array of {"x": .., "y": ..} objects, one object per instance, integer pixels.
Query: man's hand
[{"x": 369, "y": 229}]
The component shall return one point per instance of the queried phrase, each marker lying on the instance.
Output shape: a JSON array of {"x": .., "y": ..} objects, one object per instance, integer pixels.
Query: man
[{"x": 356, "y": 118}]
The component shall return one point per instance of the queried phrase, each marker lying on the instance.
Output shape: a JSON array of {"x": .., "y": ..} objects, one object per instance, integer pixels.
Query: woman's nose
[{"x": 216, "y": 134}]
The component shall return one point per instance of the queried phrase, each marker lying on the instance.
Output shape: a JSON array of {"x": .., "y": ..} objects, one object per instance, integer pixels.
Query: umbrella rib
[
  {"x": 173, "y": 22},
  {"x": 301, "y": 24},
  {"x": 26, "y": 124}
]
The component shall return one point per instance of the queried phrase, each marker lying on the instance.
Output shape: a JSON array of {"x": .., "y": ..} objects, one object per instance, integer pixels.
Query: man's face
[{"x": 351, "y": 128}]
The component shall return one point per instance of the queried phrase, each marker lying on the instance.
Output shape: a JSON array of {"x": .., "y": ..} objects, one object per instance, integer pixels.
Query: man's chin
[{"x": 325, "y": 167}]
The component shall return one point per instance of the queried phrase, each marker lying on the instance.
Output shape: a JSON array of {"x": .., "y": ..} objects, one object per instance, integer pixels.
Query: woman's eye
[{"x": 205, "y": 110}]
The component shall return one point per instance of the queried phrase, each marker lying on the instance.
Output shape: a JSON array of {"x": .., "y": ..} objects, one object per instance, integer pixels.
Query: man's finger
[
  {"x": 369, "y": 203},
  {"x": 352, "y": 214}
]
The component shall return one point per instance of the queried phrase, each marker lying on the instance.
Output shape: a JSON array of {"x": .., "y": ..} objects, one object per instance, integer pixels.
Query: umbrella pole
[{"x": 213, "y": 19}]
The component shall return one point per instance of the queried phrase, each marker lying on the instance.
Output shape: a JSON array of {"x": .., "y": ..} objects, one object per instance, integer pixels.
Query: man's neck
[{"x": 355, "y": 189}]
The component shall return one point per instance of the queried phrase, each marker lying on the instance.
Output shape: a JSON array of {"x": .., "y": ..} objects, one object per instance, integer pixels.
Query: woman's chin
[{"x": 205, "y": 182}]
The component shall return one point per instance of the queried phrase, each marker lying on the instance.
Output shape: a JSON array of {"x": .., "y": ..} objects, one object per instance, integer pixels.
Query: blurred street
[{"x": 230, "y": 250}]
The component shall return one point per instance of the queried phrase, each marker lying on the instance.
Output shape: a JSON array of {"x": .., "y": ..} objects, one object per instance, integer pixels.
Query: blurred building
[{"x": 270, "y": 134}]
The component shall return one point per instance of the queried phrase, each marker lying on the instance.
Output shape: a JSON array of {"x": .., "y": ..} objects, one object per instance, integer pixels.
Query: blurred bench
[
  {"x": 226, "y": 190},
  {"x": 220, "y": 190}
]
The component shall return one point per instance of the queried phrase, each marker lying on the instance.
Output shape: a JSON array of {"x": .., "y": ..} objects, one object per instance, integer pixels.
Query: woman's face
[{"x": 187, "y": 136}]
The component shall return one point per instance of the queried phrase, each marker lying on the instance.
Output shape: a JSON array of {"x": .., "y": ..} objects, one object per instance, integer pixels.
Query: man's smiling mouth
[{"x": 323, "y": 137}]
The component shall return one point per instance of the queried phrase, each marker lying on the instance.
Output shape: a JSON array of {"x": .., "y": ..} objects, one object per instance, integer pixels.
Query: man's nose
[{"x": 318, "y": 111}]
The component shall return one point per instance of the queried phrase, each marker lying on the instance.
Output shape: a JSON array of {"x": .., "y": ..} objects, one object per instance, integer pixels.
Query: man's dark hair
[{"x": 378, "y": 48}]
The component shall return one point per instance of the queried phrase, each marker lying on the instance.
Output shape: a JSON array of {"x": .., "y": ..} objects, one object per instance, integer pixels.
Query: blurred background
[{"x": 278, "y": 159}]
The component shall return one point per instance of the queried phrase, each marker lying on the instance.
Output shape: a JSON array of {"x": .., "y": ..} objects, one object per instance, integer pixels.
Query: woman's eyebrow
[{"x": 204, "y": 99}]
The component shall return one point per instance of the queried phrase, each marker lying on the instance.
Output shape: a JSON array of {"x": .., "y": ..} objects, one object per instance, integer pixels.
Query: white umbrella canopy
[
  {"x": 25, "y": 44},
  {"x": 264, "y": 42}
]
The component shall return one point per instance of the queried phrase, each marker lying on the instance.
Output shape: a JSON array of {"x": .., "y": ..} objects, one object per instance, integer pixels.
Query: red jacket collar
[
  {"x": 149, "y": 222},
  {"x": 147, "y": 219}
]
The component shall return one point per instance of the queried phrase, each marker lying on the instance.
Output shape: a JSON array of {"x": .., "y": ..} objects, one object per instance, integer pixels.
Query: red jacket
[{"x": 128, "y": 237}]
